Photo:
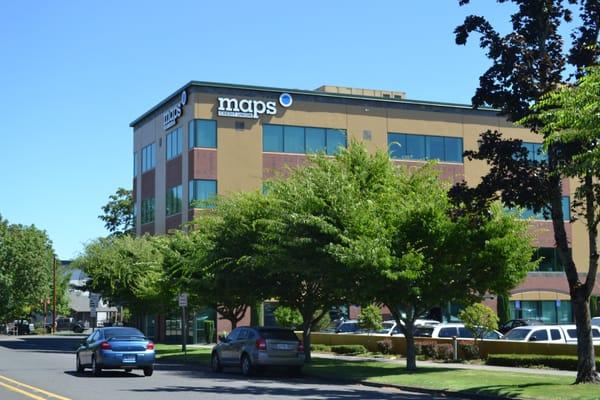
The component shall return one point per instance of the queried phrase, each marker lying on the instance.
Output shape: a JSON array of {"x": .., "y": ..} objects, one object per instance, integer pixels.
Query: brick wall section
[
  {"x": 449, "y": 172},
  {"x": 148, "y": 228},
  {"x": 173, "y": 222},
  {"x": 148, "y": 184},
  {"x": 225, "y": 325},
  {"x": 544, "y": 233},
  {"x": 173, "y": 172},
  {"x": 203, "y": 164},
  {"x": 278, "y": 163}
]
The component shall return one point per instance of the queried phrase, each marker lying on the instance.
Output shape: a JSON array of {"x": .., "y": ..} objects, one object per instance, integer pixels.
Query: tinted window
[
  {"x": 595, "y": 333},
  {"x": 348, "y": 327},
  {"x": 464, "y": 333},
  {"x": 202, "y": 133},
  {"x": 243, "y": 335},
  {"x": 335, "y": 139},
  {"x": 415, "y": 147},
  {"x": 122, "y": 332},
  {"x": 272, "y": 138},
  {"x": 491, "y": 335},
  {"x": 293, "y": 139},
  {"x": 555, "y": 334},
  {"x": 281, "y": 334},
  {"x": 453, "y": 149},
  {"x": 517, "y": 334},
  {"x": 234, "y": 334},
  {"x": 572, "y": 333},
  {"x": 201, "y": 190},
  {"x": 447, "y": 332},
  {"x": 424, "y": 331},
  {"x": 540, "y": 334},
  {"x": 397, "y": 145},
  {"x": 315, "y": 140},
  {"x": 435, "y": 147}
]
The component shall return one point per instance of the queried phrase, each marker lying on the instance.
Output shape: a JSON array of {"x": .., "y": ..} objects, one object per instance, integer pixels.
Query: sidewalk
[{"x": 478, "y": 367}]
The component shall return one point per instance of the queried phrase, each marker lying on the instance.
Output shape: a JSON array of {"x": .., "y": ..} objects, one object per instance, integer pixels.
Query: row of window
[
  {"x": 425, "y": 147},
  {"x": 299, "y": 139},
  {"x": 200, "y": 190},
  {"x": 548, "y": 311},
  {"x": 550, "y": 262}
]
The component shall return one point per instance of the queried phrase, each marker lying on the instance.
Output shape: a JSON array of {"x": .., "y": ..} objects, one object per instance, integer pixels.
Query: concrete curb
[{"x": 437, "y": 392}]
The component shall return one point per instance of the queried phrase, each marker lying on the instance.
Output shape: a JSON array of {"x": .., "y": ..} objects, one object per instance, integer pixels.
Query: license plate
[
  {"x": 128, "y": 358},
  {"x": 283, "y": 346}
]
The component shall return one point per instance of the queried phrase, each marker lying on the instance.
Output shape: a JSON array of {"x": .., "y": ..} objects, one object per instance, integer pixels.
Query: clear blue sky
[{"x": 73, "y": 75}]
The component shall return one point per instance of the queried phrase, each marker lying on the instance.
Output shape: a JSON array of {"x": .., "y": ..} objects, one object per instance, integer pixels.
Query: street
[{"x": 43, "y": 367}]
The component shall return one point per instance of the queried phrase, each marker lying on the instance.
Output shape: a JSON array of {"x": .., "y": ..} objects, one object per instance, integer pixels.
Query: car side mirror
[{"x": 533, "y": 339}]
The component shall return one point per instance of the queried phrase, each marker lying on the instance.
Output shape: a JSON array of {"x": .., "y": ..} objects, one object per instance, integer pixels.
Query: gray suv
[{"x": 253, "y": 348}]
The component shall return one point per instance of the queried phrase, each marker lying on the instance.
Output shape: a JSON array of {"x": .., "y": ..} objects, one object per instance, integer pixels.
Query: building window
[
  {"x": 174, "y": 200},
  {"x": 535, "y": 152},
  {"x": 148, "y": 157},
  {"x": 148, "y": 210},
  {"x": 566, "y": 209},
  {"x": 200, "y": 191},
  {"x": 550, "y": 262},
  {"x": 136, "y": 164},
  {"x": 548, "y": 311},
  {"x": 203, "y": 133},
  {"x": 404, "y": 146},
  {"x": 302, "y": 140},
  {"x": 174, "y": 143}
]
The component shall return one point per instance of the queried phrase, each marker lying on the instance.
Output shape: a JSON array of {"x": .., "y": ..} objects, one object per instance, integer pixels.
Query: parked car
[
  {"x": 388, "y": 328},
  {"x": 451, "y": 330},
  {"x": 596, "y": 321},
  {"x": 116, "y": 348},
  {"x": 537, "y": 333},
  {"x": 349, "y": 326},
  {"x": 254, "y": 348},
  {"x": 514, "y": 323},
  {"x": 571, "y": 333},
  {"x": 20, "y": 327},
  {"x": 66, "y": 324}
]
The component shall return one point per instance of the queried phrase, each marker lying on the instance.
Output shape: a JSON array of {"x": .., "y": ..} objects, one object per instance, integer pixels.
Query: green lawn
[
  {"x": 172, "y": 352},
  {"x": 483, "y": 382},
  {"x": 491, "y": 383}
]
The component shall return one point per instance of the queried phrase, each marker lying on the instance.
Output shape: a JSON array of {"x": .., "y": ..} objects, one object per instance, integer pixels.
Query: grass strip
[
  {"x": 507, "y": 384},
  {"x": 173, "y": 353}
]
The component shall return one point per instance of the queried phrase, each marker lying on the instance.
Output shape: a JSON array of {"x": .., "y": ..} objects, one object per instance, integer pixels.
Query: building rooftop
[{"x": 322, "y": 91}]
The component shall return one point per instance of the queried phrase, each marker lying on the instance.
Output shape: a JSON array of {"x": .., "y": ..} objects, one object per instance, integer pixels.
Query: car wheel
[
  {"x": 215, "y": 363},
  {"x": 96, "y": 369},
  {"x": 148, "y": 371},
  {"x": 247, "y": 369},
  {"x": 78, "y": 365}
]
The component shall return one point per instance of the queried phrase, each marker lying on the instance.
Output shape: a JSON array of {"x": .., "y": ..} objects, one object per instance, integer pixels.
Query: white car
[
  {"x": 596, "y": 321},
  {"x": 388, "y": 328},
  {"x": 537, "y": 333},
  {"x": 452, "y": 330},
  {"x": 571, "y": 333}
]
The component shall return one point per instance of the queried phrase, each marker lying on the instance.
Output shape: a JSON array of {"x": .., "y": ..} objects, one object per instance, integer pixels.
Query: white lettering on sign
[
  {"x": 172, "y": 114},
  {"x": 245, "y": 108}
]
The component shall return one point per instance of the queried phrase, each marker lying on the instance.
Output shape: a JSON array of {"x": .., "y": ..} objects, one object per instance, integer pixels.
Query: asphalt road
[{"x": 43, "y": 368}]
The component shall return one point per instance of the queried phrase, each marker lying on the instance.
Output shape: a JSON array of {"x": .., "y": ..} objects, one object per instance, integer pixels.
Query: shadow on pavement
[
  {"x": 42, "y": 344},
  {"x": 106, "y": 374}
]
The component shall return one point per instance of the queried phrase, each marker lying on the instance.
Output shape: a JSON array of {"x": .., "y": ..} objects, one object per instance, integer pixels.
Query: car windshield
[
  {"x": 122, "y": 333},
  {"x": 279, "y": 334},
  {"x": 517, "y": 334}
]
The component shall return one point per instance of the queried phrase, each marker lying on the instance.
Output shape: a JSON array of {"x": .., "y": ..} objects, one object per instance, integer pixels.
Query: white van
[
  {"x": 451, "y": 330},
  {"x": 537, "y": 333},
  {"x": 571, "y": 333}
]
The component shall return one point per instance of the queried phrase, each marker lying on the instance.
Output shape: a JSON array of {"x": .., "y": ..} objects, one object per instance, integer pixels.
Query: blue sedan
[{"x": 116, "y": 348}]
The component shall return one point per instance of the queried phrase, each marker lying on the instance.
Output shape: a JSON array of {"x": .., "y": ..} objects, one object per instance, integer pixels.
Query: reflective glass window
[
  {"x": 448, "y": 332},
  {"x": 147, "y": 210},
  {"x": 397, "y": 145},
  {"x": 201, "y": 190},
  {"x": 148, "y": 157},
  {"x": 415, "y": 147},
  {"x": 174, "y": 200},
  {"x": 336, "y": 138},
  {"x": 174, "y": 143},
  {"x": 434, "y": 146},
  {"x": 453, "y": 149},
  {"x": 315, "y": 140},
  {"x": 202, "y": 133},
  {"x": 293, "y": 139},
  {"x": 540, "y": 334},
  {"x": 272, "y": 138}
]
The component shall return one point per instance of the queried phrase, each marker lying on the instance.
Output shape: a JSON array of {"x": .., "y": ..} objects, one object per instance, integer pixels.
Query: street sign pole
[{"x": 183, "y": 304}]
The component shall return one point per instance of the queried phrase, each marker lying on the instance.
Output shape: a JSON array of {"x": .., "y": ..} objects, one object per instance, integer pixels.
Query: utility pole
[{"x": 54, "y": 295}]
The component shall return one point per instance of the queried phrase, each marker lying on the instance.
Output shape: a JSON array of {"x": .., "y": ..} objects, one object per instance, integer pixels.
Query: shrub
[
  {"x": 469, "y": 351},
  {"x": 426, "y": 349},
  {"x": 209, "y": 330},
  {"x": 288, "y": 317},
  {"x": 444, "y": 352},
  {"x": 384, "y": 346},
  {"x": 370, "y": 318},
  {"x": 320, "y": 347},
  {"x": 351, "y": 349},
  {"x": 535, "y": 360}
]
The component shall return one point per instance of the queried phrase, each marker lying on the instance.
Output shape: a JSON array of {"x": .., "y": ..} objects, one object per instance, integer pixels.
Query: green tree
[
  {"x": 410, "y": 249},
  {"x": 526, "y": 64},
  {"x": 128, "y": 271},
  {"x": 287, "y": 317},
  {"x": 479, "y": 319},
  {"x": 118, "y": 215},
  {"x": 503, "y": 308},
  {"x": 370, "y": 318}
]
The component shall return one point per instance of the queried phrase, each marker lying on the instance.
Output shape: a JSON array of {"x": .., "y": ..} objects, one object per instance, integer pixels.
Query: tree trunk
[
  {"x": 586, "y": 360},
  {"x": 306, "y": 330},
  {"x": 411, "y": 354}
]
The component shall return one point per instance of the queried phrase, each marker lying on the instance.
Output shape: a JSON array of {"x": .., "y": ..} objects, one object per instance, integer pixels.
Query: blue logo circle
[{"x": 285, "y": 99}]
